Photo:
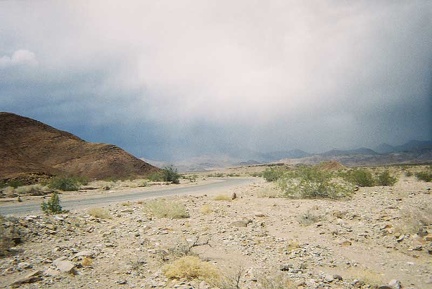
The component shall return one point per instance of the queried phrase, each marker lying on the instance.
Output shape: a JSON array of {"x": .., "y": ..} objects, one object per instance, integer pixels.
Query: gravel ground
[{"x": 380, "y": 237}]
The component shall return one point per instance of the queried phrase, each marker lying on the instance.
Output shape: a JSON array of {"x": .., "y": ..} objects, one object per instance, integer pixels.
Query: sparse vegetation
[
  {"x": 308, "y": 219},
  {"x": 277, "y": 281},
  {"x": 66, "y": 183},
  {"x": 222, "y": 197},
  {"x": 425, "y": 175},
  {"x": 273, "y": 174},
  {"x": 169, "y": 174},
  {"x": 206, "y": 209},
  {"x": 192, "y": 267},
  {"x": 385, "y": 179},
  {"x": 359, "y": 177},
  {"x": 312, "y": 183},
  {"x": 100, "y": 213},
  {"x": 52, "y": 206},
  {"x": 162, "y": 208}
]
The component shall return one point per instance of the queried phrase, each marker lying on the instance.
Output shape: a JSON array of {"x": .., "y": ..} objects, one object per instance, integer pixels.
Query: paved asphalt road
[{"x": 103, "y": 200}]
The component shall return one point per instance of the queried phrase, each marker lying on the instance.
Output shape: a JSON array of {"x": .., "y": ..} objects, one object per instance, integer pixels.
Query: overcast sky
[{"x": 173, "y": 79}]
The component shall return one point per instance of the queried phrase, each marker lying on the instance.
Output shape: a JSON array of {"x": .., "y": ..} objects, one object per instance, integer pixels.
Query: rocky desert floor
[{"x": 380, "y": 238}]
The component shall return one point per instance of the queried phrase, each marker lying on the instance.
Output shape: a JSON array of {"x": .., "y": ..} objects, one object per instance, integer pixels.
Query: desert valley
[{"x": 289, "y": 224}]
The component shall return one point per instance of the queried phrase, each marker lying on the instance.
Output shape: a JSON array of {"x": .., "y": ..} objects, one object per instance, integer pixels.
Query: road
[{"x": 219, "y": 185}]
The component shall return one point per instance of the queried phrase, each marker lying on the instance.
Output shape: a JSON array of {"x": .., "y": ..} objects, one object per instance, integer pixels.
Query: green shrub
[
  {"x": 52, "y": 206},
  {"x": 360, "y": 177},
  {"x": 424, "y": 176},
  {"x": 168, "y": 174},
  {"x": 66, "y": 183},
  {"x": 313, "y": 183},
  {"x": 171, "y": 175},
  {"x": 385, "y": 179},
  {"x": 273, "y": 174}
]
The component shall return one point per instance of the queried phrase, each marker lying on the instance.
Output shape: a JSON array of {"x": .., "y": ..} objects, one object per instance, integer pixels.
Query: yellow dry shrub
[
  {"x": 206, "y": 209},
  {"x": 222, "y": 198},
  {"x": 100, "y": 213},
  {"x": 192, "y": 267}
]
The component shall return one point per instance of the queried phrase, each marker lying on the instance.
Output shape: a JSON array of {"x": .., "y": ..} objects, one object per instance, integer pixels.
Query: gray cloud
[{"x": 171, "y": 78}]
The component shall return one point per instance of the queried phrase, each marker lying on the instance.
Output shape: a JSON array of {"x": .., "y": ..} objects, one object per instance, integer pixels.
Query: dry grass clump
[
  {"x": 278, "y": 281},
  {"x": 100, "y": 213},
  {"x": 365, "y": 277},
  {"x": 222, "y": 197},
  {"x": 192, "y": 267},
  {"x": 415, "y": 218},
  {"x": 309, "y": 218},
  {"x": 206, "y": 209},
  {"x": 162, "y": 208},
  {"x": 270, "y": 193}
]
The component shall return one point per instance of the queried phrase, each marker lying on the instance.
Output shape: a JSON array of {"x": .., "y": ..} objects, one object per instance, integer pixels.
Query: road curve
[{"x": 102, "y": 200}]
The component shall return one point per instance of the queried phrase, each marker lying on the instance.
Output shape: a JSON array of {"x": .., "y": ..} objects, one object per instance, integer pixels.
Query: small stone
[
  {"x": 328, "y": 278},
  {"x": 30, "y": 278},
  {"x": 121, "y": 282},
  {"x": 396, "y": 284},
  {"x": 337, "y": 277},
  {"x": 51, "y": 272},
  {"x": 24, "y": 265},
  {"x": 64, "y": 265},
  {"x": 259, "y": 214},
  {"x": 286, "y": 267},
  {"x": 428, "y": 237},
  {"x": 84, "y": 254}
]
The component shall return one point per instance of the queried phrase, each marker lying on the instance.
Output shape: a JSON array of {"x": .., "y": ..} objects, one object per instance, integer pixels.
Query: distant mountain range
[{"x": 412, "y": 152}]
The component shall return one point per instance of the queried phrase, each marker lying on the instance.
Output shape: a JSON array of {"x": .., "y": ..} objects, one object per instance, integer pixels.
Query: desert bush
[
  {"x": 425, "y": 176},
  {"x": 206, "y": 209},
  {"x": 269, "y": 193},
  {"x": 52, "y": 206},
  {"x": 171, "y": 175},
  {"x": 360, "y": 177},
  {"x": 184, "y": 247},
  {"x": 277, "y": 281},
  {"x": 385, "y": 179},
  {"x": 192, "y": 267},
  {"x": 222, "y": 197},
  {"x": 231, "y": 279},
  {"x": 408, "y": 173},
  {"x": 168, "y": 174},
  {"x": 216, "y": 175},
  {"x": 191, "y": 178},
  {"x": 14, "y": 183},
  {"x": 162, "y": 208},
  {"x": 66, "y": 183},
  {"x": 414, "y": 218},
  {"x": 308, "y": 219},
  {"x": 100, "y": 213},
  {"x": 273, "y": 174},
  {"x": 312, "y": 183},
  {"x": 33, "y": 190}
]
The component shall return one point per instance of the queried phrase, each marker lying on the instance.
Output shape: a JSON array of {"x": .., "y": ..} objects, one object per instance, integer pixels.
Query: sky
[{"x": 168, "y": 80}]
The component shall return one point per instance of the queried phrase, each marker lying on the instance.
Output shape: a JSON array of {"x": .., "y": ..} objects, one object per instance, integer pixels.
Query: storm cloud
[{"x": 173, "y": 79}]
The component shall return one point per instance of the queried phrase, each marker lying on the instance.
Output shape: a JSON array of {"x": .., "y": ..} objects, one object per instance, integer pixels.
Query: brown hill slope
[{"x": 31, "y": 148}]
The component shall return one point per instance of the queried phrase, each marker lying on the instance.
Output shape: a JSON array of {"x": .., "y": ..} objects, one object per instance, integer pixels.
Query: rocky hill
[{"x": 31, "y": 150}]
